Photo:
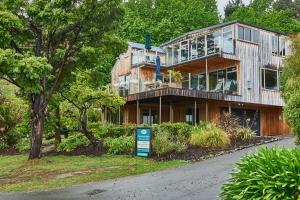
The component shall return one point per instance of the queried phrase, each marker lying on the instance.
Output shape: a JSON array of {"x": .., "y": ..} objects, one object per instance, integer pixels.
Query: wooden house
[{"x": 230, "y": 67}]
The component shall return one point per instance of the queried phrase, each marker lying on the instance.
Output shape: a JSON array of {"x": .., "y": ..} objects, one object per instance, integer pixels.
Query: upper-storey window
[
  {"x": 275, "y": 41},
  {"x": 201, "y": 46},
  {"x": 176, "y": 54},
  {"x": 213, "y": 42},
  {"x": 228, "y": 40},
  {"x": 184, "y": 51},
  {"x": 248, "y": 34},
  {"x": 169, "y": 55},
  {"x": 193, "y": 48},
  {"x": 279, "y": 46}
]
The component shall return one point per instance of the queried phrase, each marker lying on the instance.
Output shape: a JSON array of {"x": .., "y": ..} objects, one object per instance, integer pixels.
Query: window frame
[{"x": 263, "y": 79}]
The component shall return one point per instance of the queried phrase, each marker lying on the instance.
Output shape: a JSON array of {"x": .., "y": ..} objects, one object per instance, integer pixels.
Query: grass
[{"x": 19, "y": 174}]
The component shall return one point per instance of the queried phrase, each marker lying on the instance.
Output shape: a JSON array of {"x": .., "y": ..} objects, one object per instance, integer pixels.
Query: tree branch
[{"x": 11, "y": 81}]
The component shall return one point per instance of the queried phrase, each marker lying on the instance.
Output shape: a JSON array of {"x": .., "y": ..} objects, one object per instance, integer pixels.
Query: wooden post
[
  {"x": 150, "y": 116},
  {"x": 195, "y": 113},
  {"x": 137, "y": 112},
  {"x": 206, "y": 74},
  {"x": 171, "y": 113},
  {"x": 189, "y": 81},
  {"x": 206, "y": 111},
  {"x": 170, "y": 78},
  {"x": 159, "y": 109}
]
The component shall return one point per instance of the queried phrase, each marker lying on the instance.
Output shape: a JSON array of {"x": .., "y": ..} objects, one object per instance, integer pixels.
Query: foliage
[
  {"x": 267, "y": 174},
  {"x": 120, "y": 145},
  {"x": 229, "y": 123},
  {"x": 290, "y": 87},
  {"x": 166, "y": 20},
  {"x": 261, "y": 12},
  {"x": 232, "y": 6},
  {"x": 245, "y": 134},
  {"x": 23, "y": 145},
  {"x": 176, "y": 76},
  {"x": 210, "y": 136},
  {"x": 111, "y": 130},
  {"x": 180, "y": 130},
  {"x": 72, "y": 142},
  {"x": 161, "y": 144}
]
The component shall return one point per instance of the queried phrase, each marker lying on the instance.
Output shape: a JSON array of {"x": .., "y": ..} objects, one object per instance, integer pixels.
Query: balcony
[{"x": 142, "y": 57}]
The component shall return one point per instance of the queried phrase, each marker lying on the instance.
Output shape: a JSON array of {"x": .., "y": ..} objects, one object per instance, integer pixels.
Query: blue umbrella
[{"x": 158, "y": 77}]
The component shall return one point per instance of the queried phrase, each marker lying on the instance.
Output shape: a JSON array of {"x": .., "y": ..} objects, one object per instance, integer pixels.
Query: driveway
[{"x": 201, "y": 180}]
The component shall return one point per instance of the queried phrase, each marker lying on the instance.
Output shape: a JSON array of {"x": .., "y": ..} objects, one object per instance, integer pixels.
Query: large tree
[
  {"x": 263, "y": 13},
  {"x": 232, "y": 6},
  {"x": 41, "y": 41},
  {"x": 166, "y": 19},
  {"x": 290, "y": 87}
]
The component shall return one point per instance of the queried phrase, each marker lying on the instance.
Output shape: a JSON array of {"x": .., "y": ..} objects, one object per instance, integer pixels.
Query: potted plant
[{"x": 176, "y": 77}]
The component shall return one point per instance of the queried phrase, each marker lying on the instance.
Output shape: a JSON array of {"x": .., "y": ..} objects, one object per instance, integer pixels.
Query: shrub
[
  {"x": 180, "y": 130},
  {"x": 229, "y": 123},
  {"x": 210, "y": 136},
  {"x": 161, "y": 144},
  {"x": 120, "y": 145},
  {"x": 267, "y": 174},
  {"x": 73, "y": 141},
  {"x": 245, "y": 134},
  {"x": 3, "y": 144},
  {"x": 111, "y": 130},
  {"x": 23, "y": 145}
]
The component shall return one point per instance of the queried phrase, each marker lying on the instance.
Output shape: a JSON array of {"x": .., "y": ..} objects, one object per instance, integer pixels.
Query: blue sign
[{"x": 143, "y": 141}]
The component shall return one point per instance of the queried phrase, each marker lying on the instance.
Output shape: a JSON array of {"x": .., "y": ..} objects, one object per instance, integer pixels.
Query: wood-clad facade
[{"x": 231, "y": 67}]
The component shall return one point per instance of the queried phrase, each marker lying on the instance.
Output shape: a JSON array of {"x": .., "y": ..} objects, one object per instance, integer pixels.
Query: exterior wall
[{"x": 271, "y": 118}]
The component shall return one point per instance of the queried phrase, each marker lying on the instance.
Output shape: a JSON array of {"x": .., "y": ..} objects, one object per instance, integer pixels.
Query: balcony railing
[{"x": 201, "y": 83}]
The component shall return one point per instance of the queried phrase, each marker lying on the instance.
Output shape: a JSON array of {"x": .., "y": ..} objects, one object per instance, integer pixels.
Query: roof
[
  {"x": 219, "y": 26},
  {"x": 142, "y": 46}
]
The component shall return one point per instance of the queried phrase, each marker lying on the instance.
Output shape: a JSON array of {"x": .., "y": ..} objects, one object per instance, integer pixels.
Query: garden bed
[{"x": 194, "y": 154}]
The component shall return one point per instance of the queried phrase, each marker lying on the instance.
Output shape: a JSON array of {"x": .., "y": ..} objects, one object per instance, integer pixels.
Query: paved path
[{"x": 197, "y": 181}]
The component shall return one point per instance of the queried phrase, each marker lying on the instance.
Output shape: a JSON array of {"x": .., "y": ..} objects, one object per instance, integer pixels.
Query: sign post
[{"x": 143, "y": 141}]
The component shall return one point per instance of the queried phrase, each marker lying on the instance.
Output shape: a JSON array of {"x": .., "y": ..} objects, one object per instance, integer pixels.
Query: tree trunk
[
  {"x": 57, "y": 127},
  {"x": 83, "y": 122},
  {"x": 38, "y": 113}
]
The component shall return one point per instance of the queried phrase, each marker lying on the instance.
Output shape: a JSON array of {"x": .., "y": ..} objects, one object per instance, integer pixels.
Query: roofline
[{"x": 219, "y": 26}]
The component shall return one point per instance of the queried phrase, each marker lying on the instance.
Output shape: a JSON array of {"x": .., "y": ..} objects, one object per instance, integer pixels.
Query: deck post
[
  {"x": 195, "y": 113},
  {"x": 150, "y": 116},
  {"x": 137, "y": 112},
  {"x": 206, "y": 111},
  {"x": 170, "y": 78},
  {"x": 206, "y": 75},
  {"x": 159, "y": 109},
  {"x": 189, "y": 81}
]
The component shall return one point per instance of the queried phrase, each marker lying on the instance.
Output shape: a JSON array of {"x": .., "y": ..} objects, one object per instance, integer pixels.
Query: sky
[{"x": 222, "y": 3}]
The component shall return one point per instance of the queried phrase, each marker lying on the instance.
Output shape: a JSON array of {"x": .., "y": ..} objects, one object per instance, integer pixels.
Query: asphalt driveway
[{"x": 197, "y": 181}]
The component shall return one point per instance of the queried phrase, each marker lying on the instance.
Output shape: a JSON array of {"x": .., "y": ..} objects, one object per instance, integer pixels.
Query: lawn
[{"x": 19, "y": 174}]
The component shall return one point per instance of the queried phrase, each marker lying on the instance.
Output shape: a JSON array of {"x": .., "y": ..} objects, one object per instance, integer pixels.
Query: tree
[
  {"x": 261, "y": 12},
  {"x": 293, "y": 6},
  {"x": 232, "y": 6},
  {"x": 42, "y": 41},
  {"x": 82, "y": 96},
  {"x": 166, "y": 20},
  {"x": 290, "y": 87}
]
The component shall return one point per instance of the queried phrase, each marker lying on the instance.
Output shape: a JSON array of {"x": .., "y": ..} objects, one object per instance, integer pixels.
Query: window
[
  {"x": 194, "y": 81},
  {"x": 227, "y": 40},
  {"x": 202, "y": 82},
  {"x": 184, "y": 51},
  {"x": 169, "y": 55},
  {"x": 275, "y": 45},
  {"x": 124, "y": 85},
  {"x": 255, "y": 36},
  {"x": 189, "y": 115},
  {"x": 185, "y": 81},
  {"x": 193, "y": 48},
  {"x": 247, "y": 34},
  {"x": 241, "y": 33},
  {"x": 269, "y": 79},
  {"x": 149, "y": 116},
  {"x": 210, "y": 44},
  {"x": 224, "y": 80},
  {"x": 176, "y": 54},
  {"x": 282, "y": 48},
  {"x": 213, "y": 80},
  {"x": 201, "y": 46}
]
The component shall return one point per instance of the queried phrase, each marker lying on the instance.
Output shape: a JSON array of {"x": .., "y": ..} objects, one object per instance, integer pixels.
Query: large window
[
  {"x": 189, "y": 116},
  {"x": 124, "y": 85},
  {"x": 194, "y": 81},
  {"x": 223, "y": 80},
  {"x": 149, "y": 116},
  {"x": 210, "y": 42},
  {"x": 248, "y": 34},
  {"x": 193, "y": 48},
  {"x": 170, "y": 56},
  {"x": 282, "y": 47},
  {"x": 184, "y": 51},
  {"x": 176, "y": 54},
  {"x": 227, "y": 40},
  {"x": 269, "y": 78},
  {"x": 275, "y": 42},
  {"x": 201, "y": 46}
]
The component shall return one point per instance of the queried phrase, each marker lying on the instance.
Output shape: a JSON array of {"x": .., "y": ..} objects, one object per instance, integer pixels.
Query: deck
[{"x": 176, "y": 92}]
